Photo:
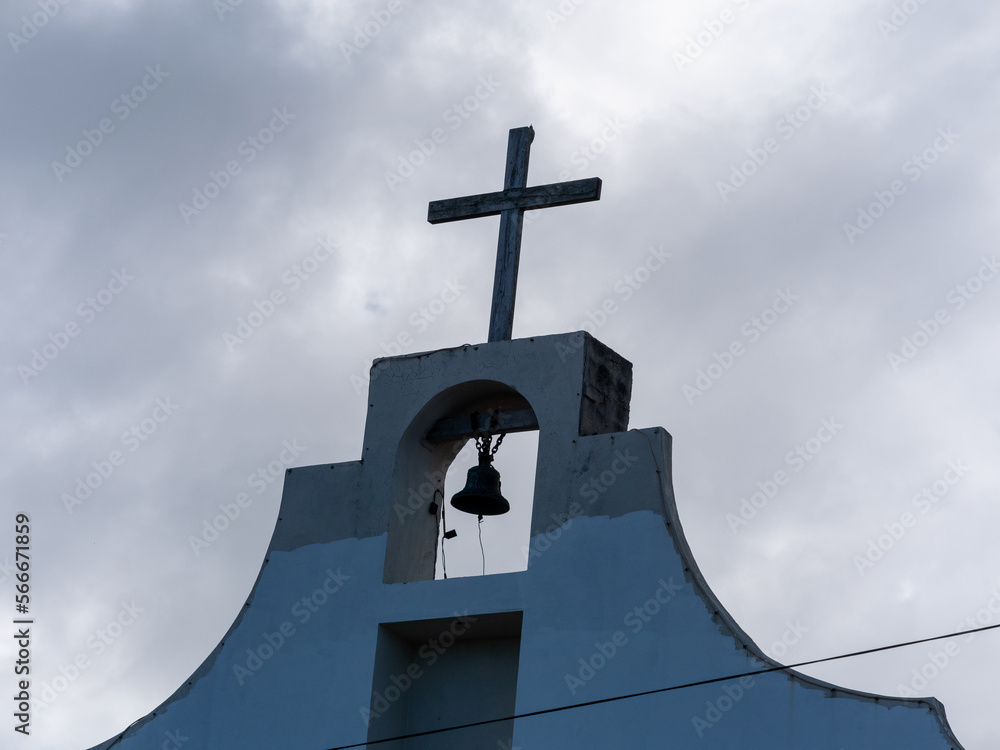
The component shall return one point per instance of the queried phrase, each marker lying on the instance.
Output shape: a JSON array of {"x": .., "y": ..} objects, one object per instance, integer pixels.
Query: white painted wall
[{"x": 616, "y": 576}]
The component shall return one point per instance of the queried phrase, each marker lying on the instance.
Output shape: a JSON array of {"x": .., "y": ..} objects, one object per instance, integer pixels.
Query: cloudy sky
[{"x": 213, "y": 218}]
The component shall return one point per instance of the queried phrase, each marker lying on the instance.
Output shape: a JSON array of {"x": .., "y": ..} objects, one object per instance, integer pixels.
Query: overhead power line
[{"x": 663, "y": 689}]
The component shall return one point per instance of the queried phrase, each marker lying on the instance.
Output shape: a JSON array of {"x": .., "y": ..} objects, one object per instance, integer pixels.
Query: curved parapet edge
[
  {"x": 305, "y": 526},
  {"x": 676, "y": 531},
  {"x": 203, "y": 669}
]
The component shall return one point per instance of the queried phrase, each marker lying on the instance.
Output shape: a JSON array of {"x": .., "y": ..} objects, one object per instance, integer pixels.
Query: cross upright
[{"x": 511, "y": 203}]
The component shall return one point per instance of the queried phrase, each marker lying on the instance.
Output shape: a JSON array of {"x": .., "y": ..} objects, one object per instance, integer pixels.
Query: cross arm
[{"x": 491, "y": 204}]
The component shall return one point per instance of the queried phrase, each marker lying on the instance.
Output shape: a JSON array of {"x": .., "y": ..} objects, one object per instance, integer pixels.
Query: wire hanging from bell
[{"x": 481, "y": 550}]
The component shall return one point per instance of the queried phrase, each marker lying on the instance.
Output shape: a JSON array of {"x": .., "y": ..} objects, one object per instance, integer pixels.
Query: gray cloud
[{"x": 324, "y": 175}]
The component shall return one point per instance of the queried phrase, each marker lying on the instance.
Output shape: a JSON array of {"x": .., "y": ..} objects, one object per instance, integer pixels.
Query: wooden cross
[{"x": 511, "y": 203}]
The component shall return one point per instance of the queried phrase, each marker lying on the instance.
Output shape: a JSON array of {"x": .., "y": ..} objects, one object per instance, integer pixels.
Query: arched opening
[
  {"x": 424, "y": 482},
  {"x": 498, "y": 544}
]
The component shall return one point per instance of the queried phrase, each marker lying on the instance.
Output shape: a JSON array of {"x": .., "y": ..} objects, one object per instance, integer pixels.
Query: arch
[{"x": 427, "y": 448}]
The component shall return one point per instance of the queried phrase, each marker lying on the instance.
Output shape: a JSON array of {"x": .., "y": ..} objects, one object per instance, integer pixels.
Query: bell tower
[{"x": 563, "y": 386}]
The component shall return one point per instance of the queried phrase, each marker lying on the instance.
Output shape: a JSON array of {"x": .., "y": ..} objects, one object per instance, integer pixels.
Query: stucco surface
[{"x": 612, "y": 601}]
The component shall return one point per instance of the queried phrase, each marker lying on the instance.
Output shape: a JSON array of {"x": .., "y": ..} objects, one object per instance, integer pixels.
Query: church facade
[{"x": 610, "y": 638}]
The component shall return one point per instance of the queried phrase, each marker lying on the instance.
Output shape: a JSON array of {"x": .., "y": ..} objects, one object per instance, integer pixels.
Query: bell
[{"x": 481, "y": 496}]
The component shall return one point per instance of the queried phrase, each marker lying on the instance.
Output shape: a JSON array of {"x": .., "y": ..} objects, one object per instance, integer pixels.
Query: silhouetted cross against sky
[{"x": 511, "y": 203}]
